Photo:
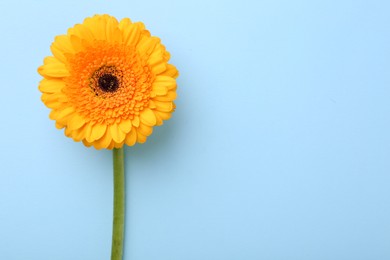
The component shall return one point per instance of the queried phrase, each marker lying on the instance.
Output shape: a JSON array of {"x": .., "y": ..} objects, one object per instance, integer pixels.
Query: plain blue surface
[{"x": 279, "y": 148}]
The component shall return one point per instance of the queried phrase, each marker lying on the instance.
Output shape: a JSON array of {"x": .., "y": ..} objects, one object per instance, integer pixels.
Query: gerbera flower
[{"x": 108, "y": 82}]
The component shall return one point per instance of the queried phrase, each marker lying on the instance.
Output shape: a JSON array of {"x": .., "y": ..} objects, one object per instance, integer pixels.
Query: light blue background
[{"x": 279, "y": 148}]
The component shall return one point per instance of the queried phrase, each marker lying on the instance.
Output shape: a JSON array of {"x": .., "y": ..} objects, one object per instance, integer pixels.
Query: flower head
[{"x": 108, "y": 82}]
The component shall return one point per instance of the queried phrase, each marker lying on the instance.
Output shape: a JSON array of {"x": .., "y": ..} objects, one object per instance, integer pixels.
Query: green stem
[{"x": 119, "y": 205}]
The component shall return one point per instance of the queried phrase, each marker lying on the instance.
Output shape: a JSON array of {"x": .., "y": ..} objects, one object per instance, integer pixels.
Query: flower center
[{"x": 108, "y": 83}]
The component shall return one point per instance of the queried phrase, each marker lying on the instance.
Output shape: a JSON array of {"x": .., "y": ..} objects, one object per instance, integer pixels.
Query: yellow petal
[
  {"x": 131, "y": 32},
  {"x": 159, "y": 121},
  {"x": 171, "y": 71},
  {"x": 76, "y": 122},
  {"x": 53, "y": 114},
  {"x": 131, "y": 137},
  {"x": 59, "y": 126},
  {"x": 53, "y": 101},
  {"x": 62, "y": 46},
  {"x": 147, "y": 44},
  {"x": 135, "y": 121},
  {"x": 67, "y": 132},
  {"x": 125, "y": 126},
  {"x": 51, "y": 85},
  {"x": 57, "y": 97},
  {"x": 141, "y": 138},
  {"x": 88, "y": 132},
  {"x": 86, "y": 143},
  {"x": 111, "y": 145},
  {"x": 65, "y": 112},
  {"x": 152, "y": 105},
  {"x": 147, "y": 117},
  {"x": 117, "y": 135},
  {"x": 163, "y": 115},
  {"x": 62, "y": 116},
  {"x": 165, "y": 81},
  {"x": 97, "y": 26},
  {"x": 77, "y": 43},
  {"x": 82, "y": 32},
  {"x": 170, "y": 96},
  {"x": 104, "y": 142},
  {"x": 113, "y": 34},
  {"x": 119, "y": 145},
  {"x": 157, "y": 60},
  {"x": 145, "y": 130},
  {"x": 159, "y": 68},
  {"x": 58, "y": 54},
  {"x": 53, "y": 68},
  {"x": 167, "y": 55},
  {"x": 164, "y": 106},
  {"x": 80, "y": 134},
  {"x": 98, "y": 131},
  {"x": 125, "y": 22},
  {"x": 159, "y": 89}
]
